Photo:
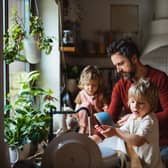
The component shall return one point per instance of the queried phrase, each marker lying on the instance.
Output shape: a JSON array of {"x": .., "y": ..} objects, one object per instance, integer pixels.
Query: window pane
[{"x": 17, "y": 69}]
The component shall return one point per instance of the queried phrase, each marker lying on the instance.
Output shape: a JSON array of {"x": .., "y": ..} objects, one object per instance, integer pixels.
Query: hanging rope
[{"x": 36, "y": 7}]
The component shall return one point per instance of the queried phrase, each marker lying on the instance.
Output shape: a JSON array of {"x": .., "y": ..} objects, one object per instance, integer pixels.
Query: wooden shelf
[
  {"x": 68, "y": 49},
  {"x": 73, "y": 52},
  {"x": 87, "y": 55}
]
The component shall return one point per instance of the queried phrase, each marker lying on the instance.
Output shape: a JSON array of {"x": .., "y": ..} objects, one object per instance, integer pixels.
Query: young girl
[
  {"x": 91, "y": 96},
  {"x": 141, "y": 129}
]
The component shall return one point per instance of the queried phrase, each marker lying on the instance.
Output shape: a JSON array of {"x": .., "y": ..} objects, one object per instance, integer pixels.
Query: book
[{"x": 114, "y": 143}]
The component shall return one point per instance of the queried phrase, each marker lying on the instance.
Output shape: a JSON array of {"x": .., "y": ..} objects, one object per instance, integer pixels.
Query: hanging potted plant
[
  {"x": 26, "y": 119},
  {"x": 15, "y": 39},
  {"x": 36, "y": 40}
]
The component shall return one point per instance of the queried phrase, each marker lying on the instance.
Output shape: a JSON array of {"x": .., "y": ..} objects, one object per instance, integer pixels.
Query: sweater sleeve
[
  {"x": 115, "y": 105},
  {"x": 161, "y": 80},
  {"x": 162, "y": 113}
]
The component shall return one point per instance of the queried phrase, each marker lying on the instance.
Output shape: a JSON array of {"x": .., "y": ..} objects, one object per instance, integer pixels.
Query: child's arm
[
  {"x": 105, "y": 107},
  {"x": 99, "y": 105},
  {"x": 98, "y": 109},
  {"x": 121, "y": 121},
  {"x": 132, "y": 139},
  {"x": 77, "y": 106}
]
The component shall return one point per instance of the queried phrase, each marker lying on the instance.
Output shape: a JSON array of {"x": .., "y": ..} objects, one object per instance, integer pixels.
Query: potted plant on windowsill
[
  {"x": 26, "y": 119},
  {"x": 15, "y": 39}
]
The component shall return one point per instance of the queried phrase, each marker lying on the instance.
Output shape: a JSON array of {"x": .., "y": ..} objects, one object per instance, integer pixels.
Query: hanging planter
[
  {"x": 26, "y": 46},
  {"x": 33, "y": 55},
  {"x": 31, "y": 50},
  {"x": 36, "y": 40}
]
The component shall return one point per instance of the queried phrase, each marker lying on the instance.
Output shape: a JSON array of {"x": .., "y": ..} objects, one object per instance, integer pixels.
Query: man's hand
[{"x": 123, "y": 120}]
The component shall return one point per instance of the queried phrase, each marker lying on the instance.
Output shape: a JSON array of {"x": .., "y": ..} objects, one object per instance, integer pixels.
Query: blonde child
[
  {"x": 90, "y": 96},
  {"x": 141, "y": 129}
]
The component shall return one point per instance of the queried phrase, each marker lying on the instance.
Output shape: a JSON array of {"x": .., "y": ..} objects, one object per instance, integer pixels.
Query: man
[{"x": 125, "y": 59}]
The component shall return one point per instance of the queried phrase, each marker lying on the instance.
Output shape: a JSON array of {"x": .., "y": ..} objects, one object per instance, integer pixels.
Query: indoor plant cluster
[
  {"x": 16, "y": 33},
  {"x": 27, "y": 119}
]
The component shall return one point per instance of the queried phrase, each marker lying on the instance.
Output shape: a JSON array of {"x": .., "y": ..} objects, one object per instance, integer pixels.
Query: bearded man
[{"x": 125, "y": 58}]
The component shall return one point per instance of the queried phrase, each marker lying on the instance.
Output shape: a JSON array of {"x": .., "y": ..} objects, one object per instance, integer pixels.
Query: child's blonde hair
[
  {"x": 91, "y": 73},
  {"x": 144, "y": 89}
]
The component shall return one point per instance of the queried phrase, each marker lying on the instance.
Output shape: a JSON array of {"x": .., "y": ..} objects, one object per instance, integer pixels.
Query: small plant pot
[
  {"x": 33, "y": 55},
  {"x": 13, "y": 155}
]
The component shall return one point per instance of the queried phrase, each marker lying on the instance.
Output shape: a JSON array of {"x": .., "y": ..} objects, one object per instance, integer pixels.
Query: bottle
[{"x": 66, "y": 98}]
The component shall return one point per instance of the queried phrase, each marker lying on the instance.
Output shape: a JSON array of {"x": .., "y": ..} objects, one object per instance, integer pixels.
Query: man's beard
[{"x": 128, "y": 75}]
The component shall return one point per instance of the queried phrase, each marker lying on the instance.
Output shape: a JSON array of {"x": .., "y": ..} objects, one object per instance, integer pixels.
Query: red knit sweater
[{"x": 119, "y": 99}]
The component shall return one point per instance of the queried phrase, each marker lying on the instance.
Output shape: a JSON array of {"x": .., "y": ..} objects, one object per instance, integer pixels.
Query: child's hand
[
  {"x": 105, "y": 108},
  {"x": 96, "y": 105},
  {"x": 123, "y": 120},
  {"x": 106, "y": 130}
]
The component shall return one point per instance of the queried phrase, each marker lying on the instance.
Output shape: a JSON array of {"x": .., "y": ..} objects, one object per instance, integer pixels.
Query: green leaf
[
  {"x": 29, "y": 120},
  {"x": 16, "y": 33}
]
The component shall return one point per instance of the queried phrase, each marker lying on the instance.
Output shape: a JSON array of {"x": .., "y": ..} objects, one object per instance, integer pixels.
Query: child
[
  {"x": 91, "y": 96},
  {"x": 141, "y": 129}
]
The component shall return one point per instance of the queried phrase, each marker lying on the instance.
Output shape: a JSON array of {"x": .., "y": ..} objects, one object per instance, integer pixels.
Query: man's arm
[
  {"x": 162, "y": 114},
  {"x": 116, "y": 104}
]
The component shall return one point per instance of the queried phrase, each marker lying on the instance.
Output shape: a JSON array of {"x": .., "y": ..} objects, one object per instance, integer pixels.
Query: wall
[
  {"x": 50, "y": 64},
  {"x": 95, "y": 16},
  {"x": 158, "y": 59}
]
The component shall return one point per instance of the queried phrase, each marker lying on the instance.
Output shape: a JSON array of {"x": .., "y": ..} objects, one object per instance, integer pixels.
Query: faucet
[{"x": 83, "y": 108}]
